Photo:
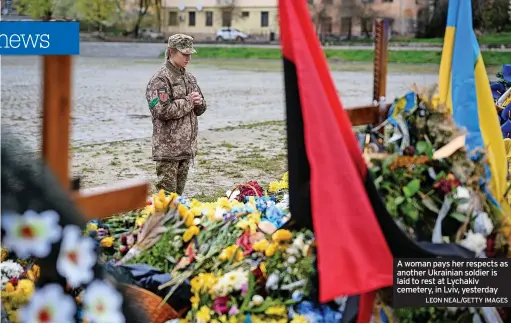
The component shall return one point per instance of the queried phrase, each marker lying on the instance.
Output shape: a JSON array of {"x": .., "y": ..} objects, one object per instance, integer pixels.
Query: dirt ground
[{"x": 227, "y": 157}]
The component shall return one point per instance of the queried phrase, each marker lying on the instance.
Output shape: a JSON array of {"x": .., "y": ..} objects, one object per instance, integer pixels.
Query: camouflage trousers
[{"x": 172, "y": 175}]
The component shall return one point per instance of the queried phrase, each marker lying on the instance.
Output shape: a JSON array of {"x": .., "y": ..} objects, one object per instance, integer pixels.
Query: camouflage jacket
[{"x": 174, "y": 115}]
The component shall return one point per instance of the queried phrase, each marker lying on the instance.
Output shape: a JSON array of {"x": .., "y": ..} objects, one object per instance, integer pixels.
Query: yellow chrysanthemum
[
  {"x": 203, "y": 315},
  {"x": 182, "y": 210},
  {"x": 228, "y": 253},
  {"x": 282, "y": 235},
  {"x": 271, "y": 249},
  {"x": 224, "y": 203},
  {"x": 261, "y": 245},
  {"x": 190, "y": 233},
  {"x": 92, "y": 227},
  {"x": 189, "y": 219},
  {"x": 299, "y": 319},
  {"x": 195, "y": 301},
  {"x": 140, "y": 221},
  {"x": 107, "y": 242},
  {"x": 276, "y": 310}
]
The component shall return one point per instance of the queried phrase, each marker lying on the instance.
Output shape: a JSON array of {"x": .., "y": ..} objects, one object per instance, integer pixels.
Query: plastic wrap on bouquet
[{"x": 41, "y": 225}]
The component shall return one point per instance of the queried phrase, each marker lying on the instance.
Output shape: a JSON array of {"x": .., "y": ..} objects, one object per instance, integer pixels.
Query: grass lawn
[
  {"x": 409, "y": 57},
  {"x": 488, "y": 39}
]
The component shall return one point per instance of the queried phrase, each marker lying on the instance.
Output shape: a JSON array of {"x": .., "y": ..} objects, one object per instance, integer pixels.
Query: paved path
[{"x": 109, "y": 104}]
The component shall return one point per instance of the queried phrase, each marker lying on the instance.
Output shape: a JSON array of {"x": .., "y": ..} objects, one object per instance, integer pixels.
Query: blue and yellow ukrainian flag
[{"x": 465, "y": 89}]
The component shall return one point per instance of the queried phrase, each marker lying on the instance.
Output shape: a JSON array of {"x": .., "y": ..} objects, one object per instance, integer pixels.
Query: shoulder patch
[
  {"x": 163, "y": 94},
  {"x": 153, "y": 103}
]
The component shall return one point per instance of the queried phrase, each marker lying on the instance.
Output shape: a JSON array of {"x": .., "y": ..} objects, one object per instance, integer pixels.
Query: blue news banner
[
  {"x": 452, "y": 283},
  {"x": 39, "y": 38}
]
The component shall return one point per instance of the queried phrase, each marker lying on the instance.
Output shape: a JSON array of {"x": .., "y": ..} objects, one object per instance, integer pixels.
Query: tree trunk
[
  {"x": 143, "y": 6},
  {"x": 158, "y": 14}
]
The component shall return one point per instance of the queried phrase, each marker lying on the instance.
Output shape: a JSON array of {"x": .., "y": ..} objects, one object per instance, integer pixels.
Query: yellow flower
[
  {"x": 228, "y": 253},
  {"x": 107, "y": 242},
  {"x": 203, "y": 315},
  {"x": 195, "y": 301},
  {"x": 92, "y": 227},
  {"x": 195, "y": 211},
  {"x": 182, "y": 210},
  {"x": 9, "y": 287},
  {"x": 271, "y": 249},
  {"x": 243, "y": 224},
  {"x": 262, "y": 266},
  {"x": 189, "y": 219},
  {"x": 224, "y": 203},
  {"x": 299, "y": 319},
  {"x": 274, "y": 186},
  {"x": 140, "y": 221},
  {"x": 261, "y": 245},
  {"x": 5, "y": 253},
  {"x": 190, "y": 233},
  {"x": 276, "y": 310},
  {"x": 233, "y": 319},
  {"x": 194, "y": 203},
  {"x": 281, "y": 235}
]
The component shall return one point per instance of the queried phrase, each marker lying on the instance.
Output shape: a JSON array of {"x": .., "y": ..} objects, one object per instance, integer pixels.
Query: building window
[
  {"x": 265, "y": 17},
  {"x": 172, "y": 18},
  {"x": 209, "y": 18},
  {"x": 327, "y": 2},
  {"x": 226, "y": 18},
  {"x": 388, "y": 1},
  {"x": 245, "y": 14},
  {"x": 191, "y": 18}
]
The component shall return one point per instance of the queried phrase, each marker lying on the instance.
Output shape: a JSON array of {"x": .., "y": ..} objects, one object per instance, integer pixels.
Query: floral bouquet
[
  {"x": 270, "y": 284},
  {"x": 433, "y": 187}
]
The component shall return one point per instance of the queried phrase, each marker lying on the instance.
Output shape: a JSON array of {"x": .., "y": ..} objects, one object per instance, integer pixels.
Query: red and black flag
[{"x": 330, "y": 188}]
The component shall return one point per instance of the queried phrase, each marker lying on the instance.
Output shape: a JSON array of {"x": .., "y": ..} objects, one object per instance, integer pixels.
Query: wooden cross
[
  {"x": 94, "y": 203},
  {"x": 365, "y": 115}
]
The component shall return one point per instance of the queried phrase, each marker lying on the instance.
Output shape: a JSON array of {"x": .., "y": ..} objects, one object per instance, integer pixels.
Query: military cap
[{"x": 182, "y": 43}]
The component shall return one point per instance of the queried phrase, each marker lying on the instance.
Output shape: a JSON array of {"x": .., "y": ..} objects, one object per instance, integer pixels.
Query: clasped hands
[{"x": 196, "y": 98}]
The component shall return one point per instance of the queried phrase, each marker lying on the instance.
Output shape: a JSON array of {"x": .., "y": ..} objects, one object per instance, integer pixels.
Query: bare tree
[{"x": 319, "y": 16}]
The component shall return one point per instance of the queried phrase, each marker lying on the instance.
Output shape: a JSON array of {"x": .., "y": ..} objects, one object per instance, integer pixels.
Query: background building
[
  {"x": 353, "y": 18},
  {"x": 203, "y": 18}
]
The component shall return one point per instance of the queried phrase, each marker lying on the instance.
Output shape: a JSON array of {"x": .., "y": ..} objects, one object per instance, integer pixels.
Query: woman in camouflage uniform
[{"x": 175, "y": 100}]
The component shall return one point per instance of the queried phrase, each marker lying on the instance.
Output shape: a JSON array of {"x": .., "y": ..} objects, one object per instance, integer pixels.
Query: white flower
[
  {"x": 76, "y": 257},
  {"x": 49, "y": 305},
  {"x": 10, "y": 269},
  {"x": 483, "y": 224},
  {"x": 231, "y": 281},
  {"x": 102, "y": 303},
  {"x": 31, "y": 233},
  {"x": 475, "y": 242},
  {"x": 273, "y": 281},
  {"x": 219, "y": 213},
  {"x": 257, "y": 300},
  {"x": 291, "y": 260},
  {"x": 232, "y": 194},
  {"x": 462, "y": 193}
]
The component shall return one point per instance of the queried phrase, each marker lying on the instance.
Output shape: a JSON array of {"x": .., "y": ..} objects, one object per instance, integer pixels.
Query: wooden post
[
  {"x": 57, "y": 114},
  {"x": 94, "y": 203},
  {"x": 372, "y": 114}
]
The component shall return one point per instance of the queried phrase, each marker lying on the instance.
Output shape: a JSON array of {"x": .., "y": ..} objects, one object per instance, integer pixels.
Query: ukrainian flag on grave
[{"x": 465, "y": 90}]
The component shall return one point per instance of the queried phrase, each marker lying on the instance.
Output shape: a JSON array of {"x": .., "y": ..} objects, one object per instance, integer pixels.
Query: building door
[{"x": 226, "y": 18}]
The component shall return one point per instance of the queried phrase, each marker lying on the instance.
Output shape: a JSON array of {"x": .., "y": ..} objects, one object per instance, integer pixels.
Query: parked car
[
  {"x": 150, "y": 34},
  {"x": 230, "y": 34}
]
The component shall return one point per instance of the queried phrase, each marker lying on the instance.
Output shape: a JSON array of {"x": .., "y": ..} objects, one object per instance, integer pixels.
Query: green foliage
[
  {"x": 100, "y": 12},
  {"x": 36, "y": 9}
]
